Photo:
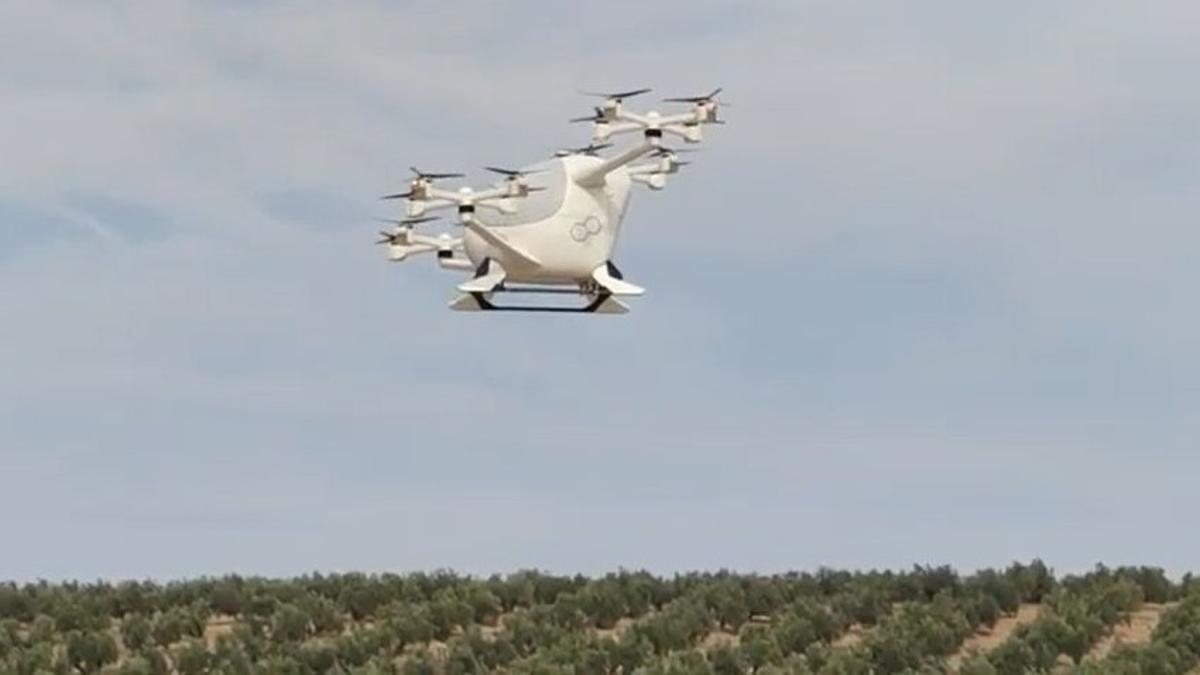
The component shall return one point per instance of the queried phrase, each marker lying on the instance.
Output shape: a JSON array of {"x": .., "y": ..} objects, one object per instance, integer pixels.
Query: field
[{"x": 1020, "y": 619}]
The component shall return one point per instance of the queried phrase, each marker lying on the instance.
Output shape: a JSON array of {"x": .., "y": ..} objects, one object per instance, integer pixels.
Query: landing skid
[
  {"x": 599, "y": 303},
  {"x": 489, "y": 279}
]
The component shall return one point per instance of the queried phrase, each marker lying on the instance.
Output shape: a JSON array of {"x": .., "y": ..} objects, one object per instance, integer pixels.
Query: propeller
[
  {"x": 512, "y": 173},
  {"x": 407, "y": 222},
  {"x": 425, "y": 175},
  {"x": 513, "y": 178},
  {"x": 710, "y": 98},
  {"x": 403, "y": 227},
  {"x": 616, "y": 96},
  {"x": 597, "y": 116},
  {"x": 420, "y": 183},
  {"x": 589, "y": 149},
  {"x": 390, "y": 238},
  {"x": 663, "y": 151}
]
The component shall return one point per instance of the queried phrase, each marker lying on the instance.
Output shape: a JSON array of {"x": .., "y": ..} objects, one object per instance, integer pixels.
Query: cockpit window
[{"x": 537, "y": 205}]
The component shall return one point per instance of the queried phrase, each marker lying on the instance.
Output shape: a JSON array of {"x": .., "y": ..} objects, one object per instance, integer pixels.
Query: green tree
[
  {"x": 90, "y": 651},
  {"x": 514, "y": 591},
  {"x": 324, "y": 614},
  {"x": 763, "y": 596},
  {"x": 360, "y": 600},
  {"x": 420, "y": 663},
  {"x": 1013, "y": 657},
  {"x": 289, "y": 624},
  {"x": 191, "y": 657},
  {"x": 175, "y": 624},
  {"x": 228, "y": 597},
  {"x": 461, "y": 660},
  {"x": 628, "y": 654},
  {"x": 846, "y": 662},
  {"x": 447, "y": 612},
  {"x": 795, "y": 633},
  {"x": 42, "y": 630},
  {"x": 1033, "y": 581},
  {"x": 758, "y": 647},
  {"x": 72, "y": 615},
  {"x": 410, "y": 624},
  {"x": 603, "y": 604},
  {"x": 317, "y": 656},
  {"x": 135, "y": 665},
  {"x": 156, "y": 661},
  {"x": 567, "y": 612},
  {"x": 359, "y": 646},
  {"x": 727, "y": 661},
  {"x": 688, "y": 662},
  {"x": 34, "y": 659},
  {"x": 132, "y": 597},
  {"x": 977, "y": 665},
  {"x": 135, "y": 632},
  {"x": 485, "y": 605},
  {"x": 230, "y": 656},
  {"x": 728, "y": 604}
]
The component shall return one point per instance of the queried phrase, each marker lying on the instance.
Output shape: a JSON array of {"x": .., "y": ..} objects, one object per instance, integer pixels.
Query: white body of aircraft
[{"x": 551, "y": 227}]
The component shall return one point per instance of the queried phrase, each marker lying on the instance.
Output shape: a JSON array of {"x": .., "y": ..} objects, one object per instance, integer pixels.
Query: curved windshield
[{"x": 539, "y": 205}]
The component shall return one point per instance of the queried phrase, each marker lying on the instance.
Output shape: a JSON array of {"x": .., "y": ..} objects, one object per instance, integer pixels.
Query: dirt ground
[
  {"x": 216, "y": 627},
  {"x": 985, "y": 641},
  {"x": 851, "y": 637},
  {"x": 1136, "y": 629}
]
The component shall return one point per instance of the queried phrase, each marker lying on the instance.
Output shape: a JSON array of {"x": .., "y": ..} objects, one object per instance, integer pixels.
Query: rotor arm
[
  {"x": 643, "y": 121},
  {"x": 489, "y": 199},
  {"x": 492, "y": 198},
  {"x": 595, "y": 175},
  {"x": 464, "y": 195},
  {"x": 616, "y": 120},
  {"x": 442, "y": 242},
  {"x": 420, "y": 207},
  {"x": 403, "y": 243}
]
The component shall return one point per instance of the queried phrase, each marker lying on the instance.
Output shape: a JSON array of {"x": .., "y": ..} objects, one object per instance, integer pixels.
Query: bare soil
[
  {"x": 852, "y": 636},
  {"x": 720, "y": 638},
  {"x": 216, "y": 627},
  {"x": 1135, "y": 629},
  {"x": 986, "y": 640}
]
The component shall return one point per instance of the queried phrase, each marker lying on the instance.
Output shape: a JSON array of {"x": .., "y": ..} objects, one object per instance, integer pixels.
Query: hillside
[{"x": 929, "y": 619}]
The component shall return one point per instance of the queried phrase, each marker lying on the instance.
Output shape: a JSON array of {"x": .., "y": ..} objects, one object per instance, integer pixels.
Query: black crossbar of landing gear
[{"x": 488, "y": 306}]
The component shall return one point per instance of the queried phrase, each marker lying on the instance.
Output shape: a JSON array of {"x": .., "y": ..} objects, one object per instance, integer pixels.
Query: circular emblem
[{"x": 586, "y": 228}]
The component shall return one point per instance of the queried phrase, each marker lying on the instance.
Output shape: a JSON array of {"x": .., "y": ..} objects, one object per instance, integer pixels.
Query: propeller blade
[
  {"x": 696, "y": 99},
  {"x": 399, "y": 195},
  {"x": 597, "y": 116},
  {"x": 433, "y": 176},
  {"x": 511, "y": 173},
  {"x": 590, "y": 149},
  {"x": 407, "y": 222},
  {"x": 616, "y": 96},
  {"x": 663, "y": 150}
]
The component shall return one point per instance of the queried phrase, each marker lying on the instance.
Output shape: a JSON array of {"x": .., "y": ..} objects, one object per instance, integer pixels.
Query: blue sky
[{"x": 926, "y": 298}]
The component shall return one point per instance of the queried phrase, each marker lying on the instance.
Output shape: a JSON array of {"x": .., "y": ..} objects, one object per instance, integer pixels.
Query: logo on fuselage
[{"x": 585, "y": 229}]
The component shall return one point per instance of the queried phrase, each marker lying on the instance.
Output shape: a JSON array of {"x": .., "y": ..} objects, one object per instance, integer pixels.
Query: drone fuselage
[
  {"x": 551, "y": 227},
  {"x": 560, "y": 234}
]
